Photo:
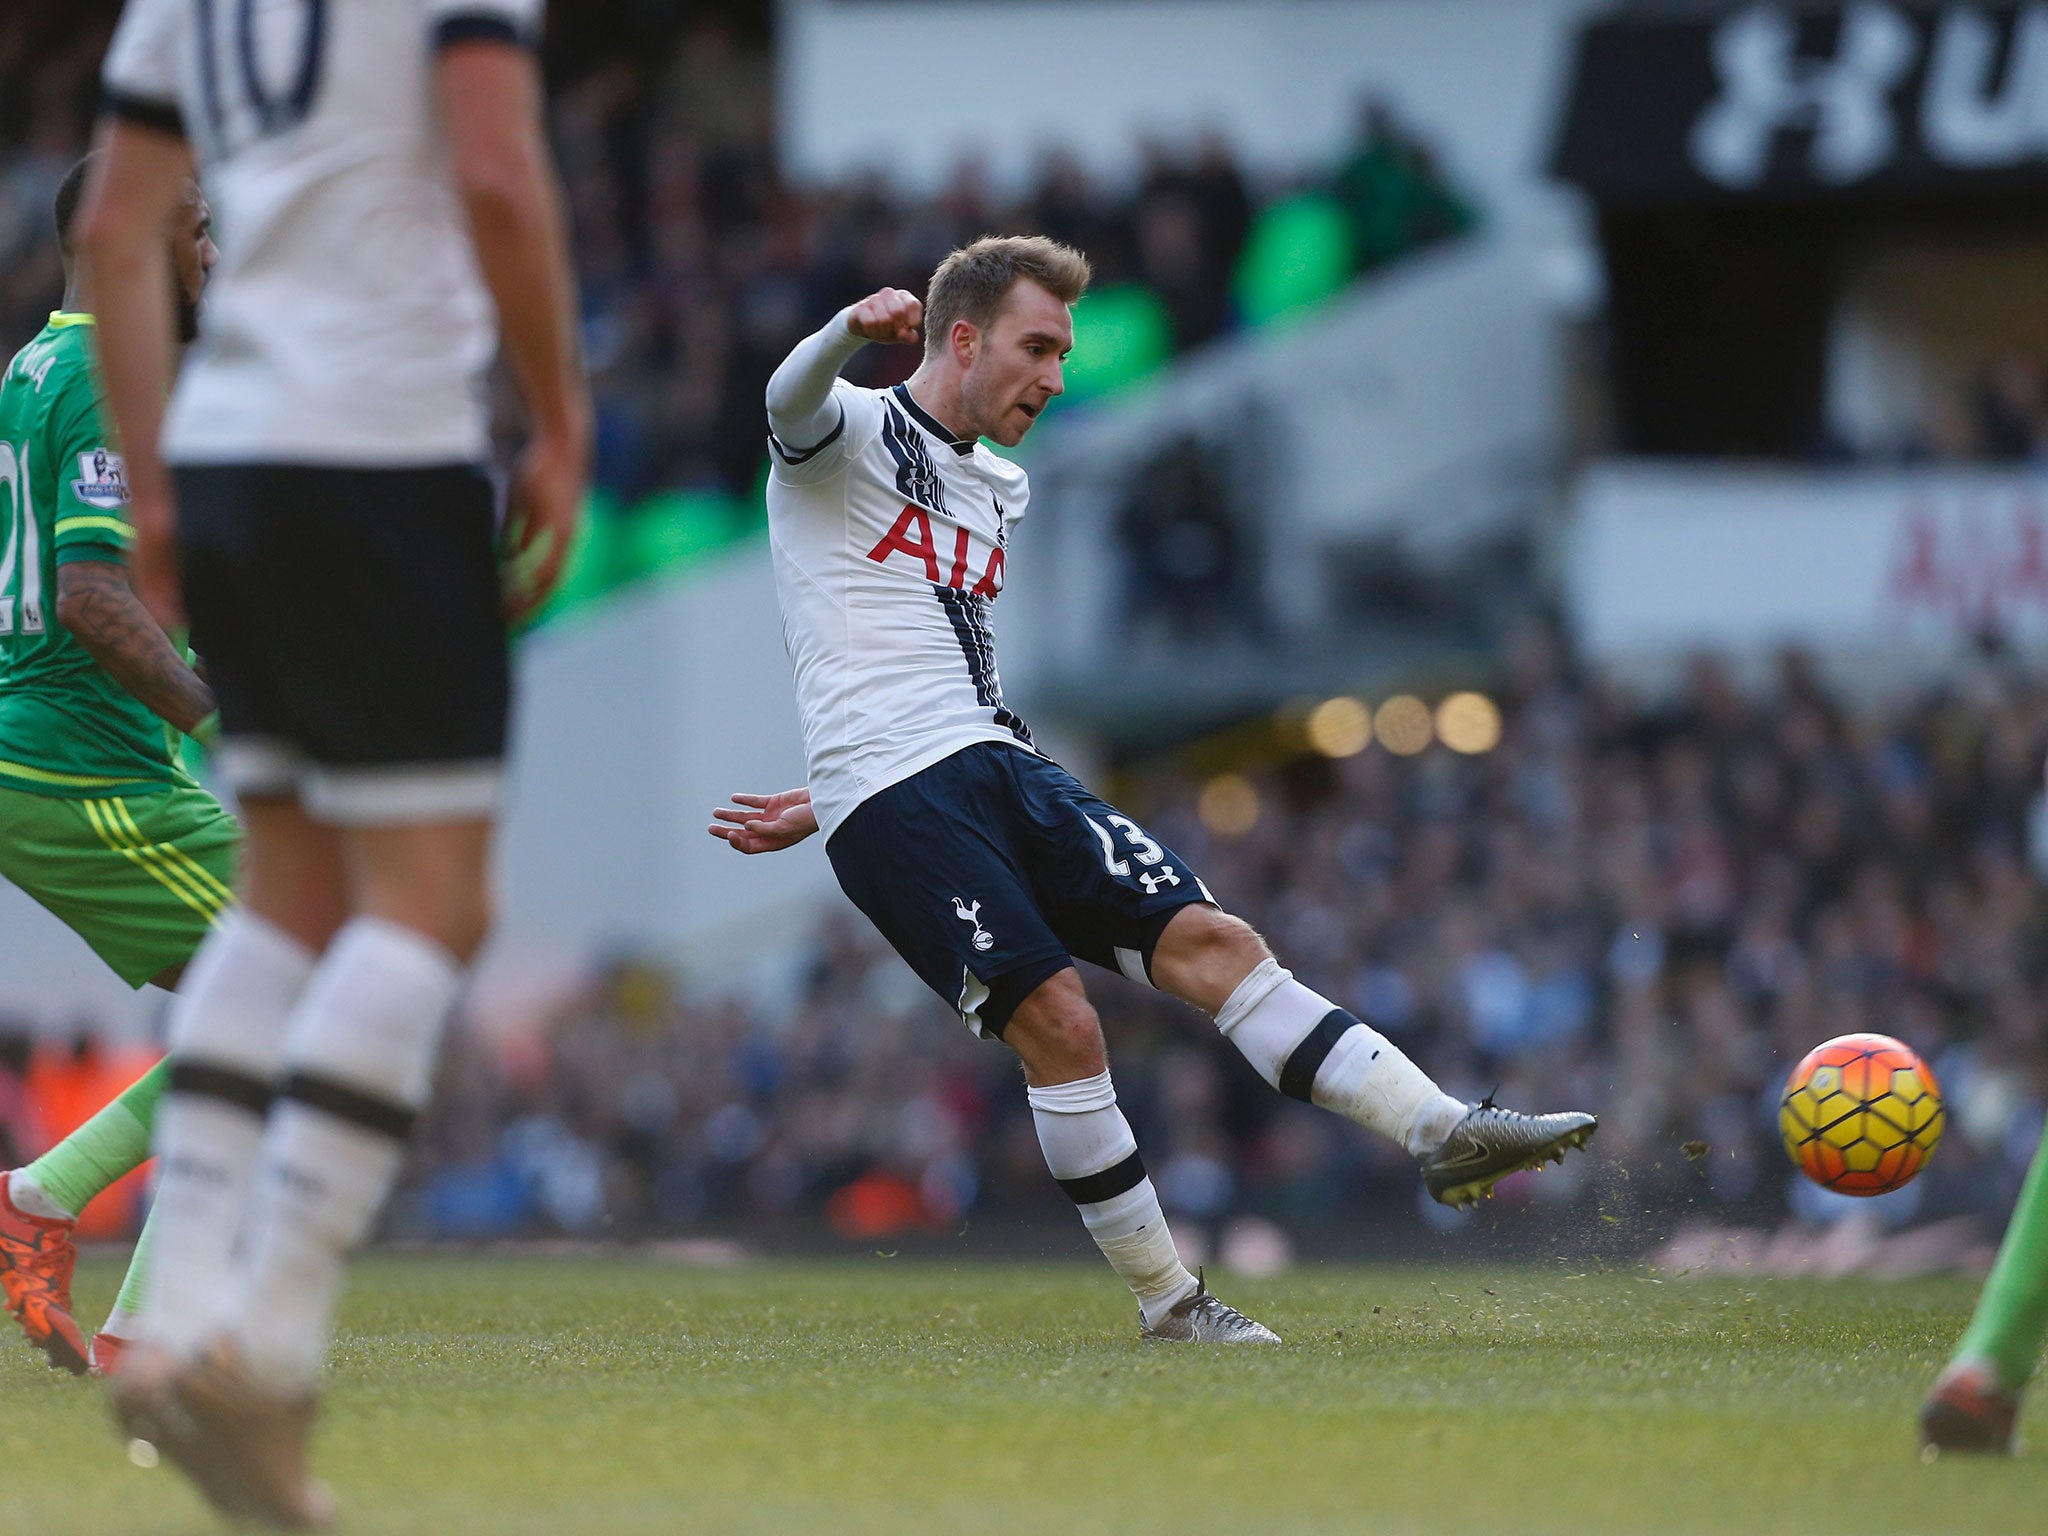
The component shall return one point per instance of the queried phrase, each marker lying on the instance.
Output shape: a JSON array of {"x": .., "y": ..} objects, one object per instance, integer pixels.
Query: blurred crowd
[
  {"x": 701, "y": 264},
  {"x": 1648, "y": 910}
]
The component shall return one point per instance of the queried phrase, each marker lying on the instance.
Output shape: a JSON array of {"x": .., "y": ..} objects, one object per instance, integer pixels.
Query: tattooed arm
[{"x": 95, "y": 603}]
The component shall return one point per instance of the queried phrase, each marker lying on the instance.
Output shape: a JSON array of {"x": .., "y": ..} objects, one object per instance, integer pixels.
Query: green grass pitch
[{"x": 619, "y": 1396}]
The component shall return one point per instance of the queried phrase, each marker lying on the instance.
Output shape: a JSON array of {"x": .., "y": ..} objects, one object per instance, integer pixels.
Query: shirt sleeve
[
  {"x": 91, "y": 517},
  {"x": 502, "y": 21},
  {"x": 856, "y": 420},
  {"x": 141, "y": 78}
]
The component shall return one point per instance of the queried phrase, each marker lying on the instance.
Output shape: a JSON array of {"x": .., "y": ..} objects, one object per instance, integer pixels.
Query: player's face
[
  {"x": 1015, "y": 370},
  {"x": 192, "y": 257}
]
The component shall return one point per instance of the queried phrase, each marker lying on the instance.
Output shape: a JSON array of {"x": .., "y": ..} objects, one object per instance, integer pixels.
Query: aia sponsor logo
[
  {"x": 911, "y": 537},
  {"x": 1978, "y": 563}
]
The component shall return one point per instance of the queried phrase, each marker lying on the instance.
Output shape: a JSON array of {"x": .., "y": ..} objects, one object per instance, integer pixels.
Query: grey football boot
[
  {"x": 1201, "y": 1319},
  {"x": 1490, "y": 1143}
]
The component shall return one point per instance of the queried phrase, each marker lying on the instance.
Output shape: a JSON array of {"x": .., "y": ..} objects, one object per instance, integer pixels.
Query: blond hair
[{"x": 972, "y": 283}]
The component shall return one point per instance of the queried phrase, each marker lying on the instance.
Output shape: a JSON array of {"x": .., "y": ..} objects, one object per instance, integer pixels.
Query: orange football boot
[{"x": 36, "y": 1259}]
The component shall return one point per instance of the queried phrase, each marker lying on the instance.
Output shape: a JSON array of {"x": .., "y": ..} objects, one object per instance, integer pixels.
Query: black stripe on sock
[
  {"x": 1298, "y": 1077},
  {"x": 1114, "y": 1180},
  {"x": 223, "y": 1083},
  {"x": 358, "y": 1108}
]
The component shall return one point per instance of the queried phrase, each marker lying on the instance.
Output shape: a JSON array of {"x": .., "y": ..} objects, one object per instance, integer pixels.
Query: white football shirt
[
  {"x": 346, "y": 322},
  {"x": 889, "y": 543}
]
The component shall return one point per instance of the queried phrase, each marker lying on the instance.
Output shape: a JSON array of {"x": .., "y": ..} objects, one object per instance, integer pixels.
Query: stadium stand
[{"x": 701, "y": 265}]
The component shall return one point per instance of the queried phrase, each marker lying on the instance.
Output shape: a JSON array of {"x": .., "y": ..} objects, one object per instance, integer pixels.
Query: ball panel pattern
[{"x": 1861, "y": 1114}]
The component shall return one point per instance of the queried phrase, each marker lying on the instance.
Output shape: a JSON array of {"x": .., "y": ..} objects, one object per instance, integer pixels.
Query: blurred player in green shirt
[{"x": 99, "y": 820}]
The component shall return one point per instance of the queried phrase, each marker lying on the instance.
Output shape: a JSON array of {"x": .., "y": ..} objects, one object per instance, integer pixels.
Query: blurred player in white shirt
[
  {"x": 388, "y": 215},
  {"x": 988, "y": 867}
]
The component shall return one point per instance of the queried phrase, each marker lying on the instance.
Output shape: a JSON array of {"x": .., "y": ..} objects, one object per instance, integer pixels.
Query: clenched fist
[{"x": 890, "y": 316}]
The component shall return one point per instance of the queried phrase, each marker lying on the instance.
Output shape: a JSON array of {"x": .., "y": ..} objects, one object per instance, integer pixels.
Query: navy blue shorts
[{"x": 995, "y": 868}]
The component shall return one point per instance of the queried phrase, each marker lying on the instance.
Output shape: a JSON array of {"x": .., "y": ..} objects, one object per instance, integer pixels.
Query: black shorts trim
[
  {"x": 143, "y": 112},
  {"x": 351, "y": 618},
  {"x": 478, "y": 27},
  {"x": 1007, "y": 992}
]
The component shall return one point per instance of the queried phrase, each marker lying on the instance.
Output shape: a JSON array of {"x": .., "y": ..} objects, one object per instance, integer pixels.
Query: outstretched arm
[
  {"x": 103, "y": 614},
  {"x": 800, "y": 409},
  {"x": 766, "y": 823}
]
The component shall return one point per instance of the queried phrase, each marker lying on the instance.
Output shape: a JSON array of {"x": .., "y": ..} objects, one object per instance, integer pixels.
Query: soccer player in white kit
[
  {"x": 387, "y": 215},
  {"x": 987, "y": 866}
]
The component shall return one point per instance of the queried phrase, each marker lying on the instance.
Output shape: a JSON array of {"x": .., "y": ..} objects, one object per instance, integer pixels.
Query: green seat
[
  {"x": 1299, "y": 254},
  {"x": 673, "y": 530},
  {"x": 592, "y": 570},
  {"x": 1122, "y": 334}
]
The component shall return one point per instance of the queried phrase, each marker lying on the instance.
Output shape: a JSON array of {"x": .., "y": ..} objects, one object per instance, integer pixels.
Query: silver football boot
[
  {"x": 1202, "y": 1319},
  {"x": 1490, "y": 1143}
]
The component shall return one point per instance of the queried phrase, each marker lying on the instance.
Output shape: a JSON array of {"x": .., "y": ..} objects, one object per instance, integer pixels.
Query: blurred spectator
[
  {"x": 2011, "y": 400},
  {"x": 1396, "y": 198},
  {"x": 1193, "y": 565}
]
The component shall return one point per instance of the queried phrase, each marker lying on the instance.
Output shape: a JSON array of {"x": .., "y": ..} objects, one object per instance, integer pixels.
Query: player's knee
[
  {"x": 1056, "y": 1033},
  {"x": 1207, "y": 936},
  {"x": 466, "y": 924},
  {"x": 454, "y": 914},
  {"x": 1204, "y": 953}
]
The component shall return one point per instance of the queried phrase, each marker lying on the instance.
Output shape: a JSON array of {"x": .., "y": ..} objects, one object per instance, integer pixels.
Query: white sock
[
  {"x": 31, "y": 1199},
  {"x": 1089, "y": 1147},
  {"x": 1312, "y": 1050},
  {"x": 227, "y": 1038},
  {"x": 359, "y": 1058}
]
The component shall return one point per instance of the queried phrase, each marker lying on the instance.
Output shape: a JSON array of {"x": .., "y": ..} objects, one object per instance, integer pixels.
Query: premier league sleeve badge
[{"x": 102, "y": 481}]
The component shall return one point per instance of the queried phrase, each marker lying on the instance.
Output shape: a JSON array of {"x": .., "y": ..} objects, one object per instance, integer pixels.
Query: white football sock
[
  {"x": 227, "y": 1038},
  {"x": 1089, "y": 1147},
  {"x": 1312, "y": 1050},
  {"x": 359, "y": 1059}
]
